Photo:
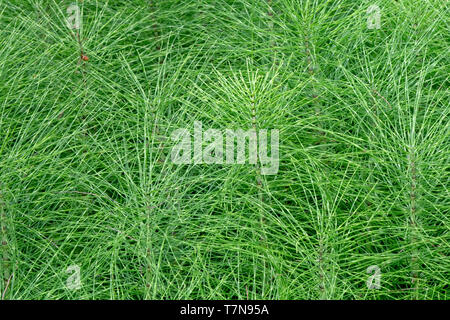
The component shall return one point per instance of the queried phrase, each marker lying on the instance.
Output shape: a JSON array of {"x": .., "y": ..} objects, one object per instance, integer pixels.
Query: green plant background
[{"x": 85, "y": 171}]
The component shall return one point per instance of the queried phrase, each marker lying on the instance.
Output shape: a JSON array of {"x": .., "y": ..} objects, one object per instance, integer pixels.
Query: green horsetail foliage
[{"x": 93, "y": 207}]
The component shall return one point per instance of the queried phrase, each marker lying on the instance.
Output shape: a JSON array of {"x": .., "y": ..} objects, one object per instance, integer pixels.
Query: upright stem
[
  {"x": 272, "y": 41},
  {"x": 156, "y": 31},
  {"x": 258, "y": 166},
  {"x": 312, "y": 73},
  {"x": 5, "y": 264},
  {"x": 82, "y": 55},
  {"x": 413, "y": 220}
]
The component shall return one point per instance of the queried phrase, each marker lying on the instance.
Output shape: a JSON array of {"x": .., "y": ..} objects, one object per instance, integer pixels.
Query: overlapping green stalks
[{"x": 86, "y": 176}]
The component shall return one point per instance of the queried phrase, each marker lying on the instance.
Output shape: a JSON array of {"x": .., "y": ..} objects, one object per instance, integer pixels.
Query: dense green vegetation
[{"x": 86, "y": 177}]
